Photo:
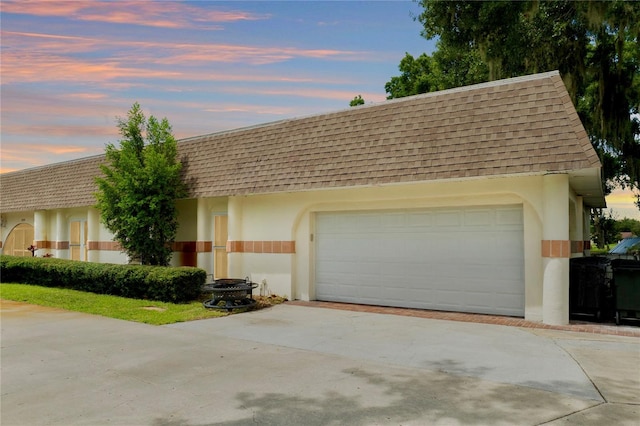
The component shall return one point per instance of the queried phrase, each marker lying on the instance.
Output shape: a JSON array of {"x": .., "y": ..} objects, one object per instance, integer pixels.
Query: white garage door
[{"x": 464, "y": 259}]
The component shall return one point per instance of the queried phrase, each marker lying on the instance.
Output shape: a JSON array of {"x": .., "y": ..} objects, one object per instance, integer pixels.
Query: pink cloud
[
  {"x": 310, "y": 93},
  {"x": 60, "y": 130},
  {"x": 33, "y": 57},
  {"x": 19, "y": 67},
  {"x": 21, "y": 155},
  {"x": 255, "y": 55},
  {"x": 56, "y": 149},
  {"x": 253, "y": 109},
  {"x": 86, "y": 96},
  {"x": 165, "y": 14},
  {"x": 42, "y": 7},
  {"x": 20, "y": 103}
]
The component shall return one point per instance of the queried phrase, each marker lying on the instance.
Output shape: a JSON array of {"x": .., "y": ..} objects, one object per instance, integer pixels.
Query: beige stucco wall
[
  {"x": 196, "y": 223},
  {"x": 187, "y": 218},
  {"x": 291, "y": 217},
  {"x": 53, "y": 226}
]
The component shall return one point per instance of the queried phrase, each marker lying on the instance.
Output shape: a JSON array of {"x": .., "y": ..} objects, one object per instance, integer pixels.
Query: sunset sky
[{"x": 69, "y": 68}]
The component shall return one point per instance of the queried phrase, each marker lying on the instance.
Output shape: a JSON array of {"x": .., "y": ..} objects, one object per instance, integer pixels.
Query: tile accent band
[
  {"x": 556, "y": 248},
  {"x": 54, "y": 245},
  {"x": 277, "y": 247}
]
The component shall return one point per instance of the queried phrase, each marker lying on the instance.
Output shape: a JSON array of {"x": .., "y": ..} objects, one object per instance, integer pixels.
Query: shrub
[{"x": 167, "y": 284}]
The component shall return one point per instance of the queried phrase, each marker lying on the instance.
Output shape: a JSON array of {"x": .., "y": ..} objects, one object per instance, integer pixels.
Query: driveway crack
[
  {"x": 571, "y": 414},
  {"x": 555, "y": 342}
]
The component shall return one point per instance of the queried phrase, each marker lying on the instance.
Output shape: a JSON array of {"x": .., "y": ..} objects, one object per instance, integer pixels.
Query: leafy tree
[
  {"x": 603, "y": 230},
  {"x": 594, "y": 45},
  {"x": 137, "y": 195},
  {"x": 419, "y": 75},
  {"x": 445, "y": 69},
  {"x": 627, "y": 225},
  {"x": 358, "y": 100}
]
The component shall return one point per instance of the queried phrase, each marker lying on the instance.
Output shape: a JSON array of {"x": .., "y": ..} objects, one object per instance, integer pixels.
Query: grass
[
  {"x": 595, "y": 251},
  {"x": 146, "y": 311}
]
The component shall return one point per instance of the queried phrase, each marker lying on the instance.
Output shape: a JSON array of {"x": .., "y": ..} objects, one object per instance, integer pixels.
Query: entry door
[
  {"x": 220, "y": 236},
  {"x": 78, "y": 239},
  {"x": 464, "y": 259}
]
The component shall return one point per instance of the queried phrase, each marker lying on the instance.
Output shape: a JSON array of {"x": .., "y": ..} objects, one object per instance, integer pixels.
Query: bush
[{"x": 167, "y": 284}]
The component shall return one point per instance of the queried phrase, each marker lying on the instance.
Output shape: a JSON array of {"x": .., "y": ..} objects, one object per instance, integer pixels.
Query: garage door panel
[
  {"x": 448, "y": 218},
  {"x": 479, "y": 300},
  {"x": 478, "y": 218},
  {"x": 509, "y": 216},
  {"x": 468, "y": 259},
  {"x": 421, "y": 220}
]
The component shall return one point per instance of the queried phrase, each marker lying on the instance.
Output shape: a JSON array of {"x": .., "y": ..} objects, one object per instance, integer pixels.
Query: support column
[
  {"x": 586, "y": 233},
  {"x": 234, "y": 232},
  {"x": 62, "y": 236},
  {"x": 93, "y": 235},
  {"x": 577, "y": 234},
  {"x": 40, "y": 232},
  {"x": 556, "y": 249},
  {"x": 204, "y": 235}
]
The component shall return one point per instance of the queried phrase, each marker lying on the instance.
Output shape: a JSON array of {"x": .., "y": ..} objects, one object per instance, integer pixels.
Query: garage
[{"x": 467, "y": 259}]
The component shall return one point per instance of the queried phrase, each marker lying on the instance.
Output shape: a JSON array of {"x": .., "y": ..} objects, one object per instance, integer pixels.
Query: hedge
[{"x": 167, "y": 284}]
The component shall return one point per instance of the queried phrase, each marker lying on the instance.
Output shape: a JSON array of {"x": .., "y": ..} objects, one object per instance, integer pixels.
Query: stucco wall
[{"x": 291, "y": 217}]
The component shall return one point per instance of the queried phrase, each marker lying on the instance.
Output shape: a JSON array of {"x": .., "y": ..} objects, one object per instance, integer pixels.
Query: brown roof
[
  {"x": 525, "y": 125},
  {"x": 67, "y": 184}
]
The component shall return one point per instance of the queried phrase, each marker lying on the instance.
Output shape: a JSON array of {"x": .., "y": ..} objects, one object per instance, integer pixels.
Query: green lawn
[
  {"x": 595, "y": 251},
  {"x": 146, "y": 311}
]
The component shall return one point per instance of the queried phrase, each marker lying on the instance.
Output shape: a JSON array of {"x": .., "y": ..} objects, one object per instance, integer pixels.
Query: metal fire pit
[{"x": 231, "y": 293}]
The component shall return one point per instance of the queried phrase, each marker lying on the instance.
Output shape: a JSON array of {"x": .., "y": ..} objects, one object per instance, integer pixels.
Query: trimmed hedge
[{"x": 167, "y": 284}]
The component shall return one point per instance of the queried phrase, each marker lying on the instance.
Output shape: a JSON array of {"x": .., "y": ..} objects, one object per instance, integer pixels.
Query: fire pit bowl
[{"x": 231, "y": 293}]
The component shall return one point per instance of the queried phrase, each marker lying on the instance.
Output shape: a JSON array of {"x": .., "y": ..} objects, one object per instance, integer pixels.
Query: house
[
  {"x": 626, "y": 234},
  {"x": 472, "y": 199}
]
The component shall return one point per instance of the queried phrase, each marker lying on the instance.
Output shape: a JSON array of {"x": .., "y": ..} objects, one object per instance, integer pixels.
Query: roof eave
[{"x": 587, "y": 183}]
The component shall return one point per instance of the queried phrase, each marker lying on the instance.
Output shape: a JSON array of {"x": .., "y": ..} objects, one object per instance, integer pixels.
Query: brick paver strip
[{"x": 477, "y": 318}]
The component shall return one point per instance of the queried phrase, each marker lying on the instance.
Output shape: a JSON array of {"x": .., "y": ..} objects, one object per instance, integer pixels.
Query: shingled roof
[{"x": 520, "y": 126}]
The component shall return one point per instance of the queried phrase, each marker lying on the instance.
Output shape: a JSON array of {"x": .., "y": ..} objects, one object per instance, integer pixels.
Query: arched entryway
[{"x": 19, "y": 240}]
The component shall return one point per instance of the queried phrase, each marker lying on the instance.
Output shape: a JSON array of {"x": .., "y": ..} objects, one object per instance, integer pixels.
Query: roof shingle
[{"x": 523, "y": 125}]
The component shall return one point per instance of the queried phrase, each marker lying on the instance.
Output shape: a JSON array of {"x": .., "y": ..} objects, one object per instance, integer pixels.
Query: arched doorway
[{"x": 19, "y": 240}]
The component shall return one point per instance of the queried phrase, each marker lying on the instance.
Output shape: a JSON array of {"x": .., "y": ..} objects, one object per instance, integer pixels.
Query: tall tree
[
  {"x": 594, "y": 45},
  {"x": 445, "y": 69},
  {"x": 137, "y": 195},
  {"x": 627, "y": 225},
  {"x": 358, "y": 100}
]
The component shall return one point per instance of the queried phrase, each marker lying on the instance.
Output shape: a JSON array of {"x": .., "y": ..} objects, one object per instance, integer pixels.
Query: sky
[{"x": 69, "y": 69}]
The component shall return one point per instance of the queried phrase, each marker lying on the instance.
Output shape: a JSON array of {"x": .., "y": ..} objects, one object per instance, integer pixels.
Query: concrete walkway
[{"x": 292, "y": 365}]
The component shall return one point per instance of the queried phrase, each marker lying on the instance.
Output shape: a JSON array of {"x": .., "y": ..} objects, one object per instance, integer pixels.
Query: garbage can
[
  {"x": 626, "y": 282},
  {"x": 589, "y": 287}
]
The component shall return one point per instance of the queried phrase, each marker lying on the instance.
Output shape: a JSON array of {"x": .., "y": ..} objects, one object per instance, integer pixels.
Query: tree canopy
[
  {"x": 137, "y": 195},
  {"x": 357, "y": 100},
  {"x": 445, "y": 69},
  {"x": 593, "y": 44}
]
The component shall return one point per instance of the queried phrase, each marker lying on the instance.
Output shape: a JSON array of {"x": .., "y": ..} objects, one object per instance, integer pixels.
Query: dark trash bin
[
  {"x": 626, "y": 284},
  {"x": 589, "y": 287}
]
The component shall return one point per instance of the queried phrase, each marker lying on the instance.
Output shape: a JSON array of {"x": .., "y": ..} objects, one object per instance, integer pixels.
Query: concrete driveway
[{"x": 292, "y": 365}]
